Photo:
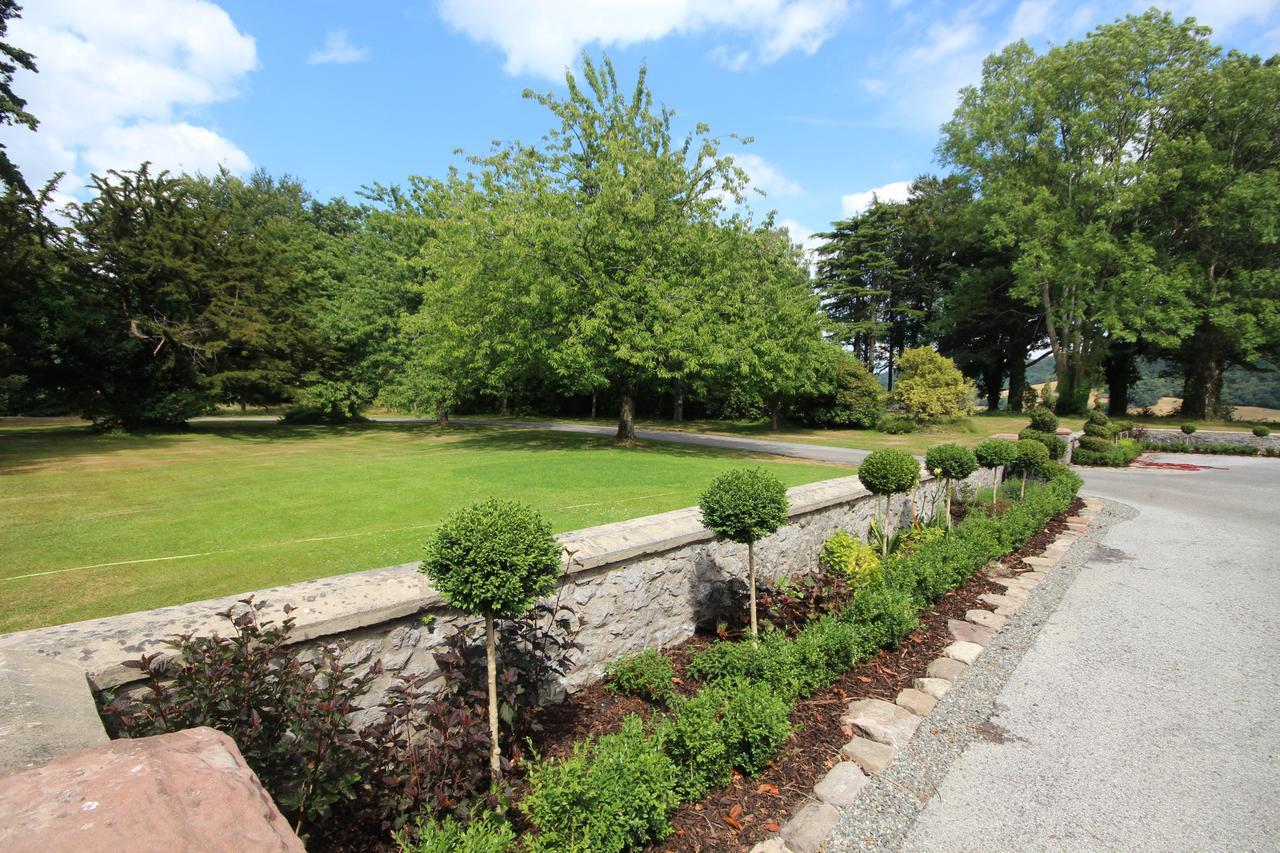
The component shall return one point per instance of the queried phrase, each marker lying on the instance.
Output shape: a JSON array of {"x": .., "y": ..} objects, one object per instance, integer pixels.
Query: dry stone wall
[
  {"x": 633, "y": 584},
  {"x": 1200, "y": 438}
]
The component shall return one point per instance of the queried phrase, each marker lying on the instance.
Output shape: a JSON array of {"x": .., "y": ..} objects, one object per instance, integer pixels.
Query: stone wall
[
  {"x": 633, "y": 584},
  {"x": 1201, "y": 437}
]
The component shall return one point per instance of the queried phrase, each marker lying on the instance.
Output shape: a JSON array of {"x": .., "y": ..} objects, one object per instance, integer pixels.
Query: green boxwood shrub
[
  {"x": 951, "y": 462},
  {"x": 608, "y": 796},
  {"x": 896, "y": 424},
  {"x": 1262, "y": 431},
  {"x": 1054, "y": 443},
  {"x": 1097, "y": 417},
  {"x": 1214, "y": 449},
  {"x": 692, "y": 737},
  {"x": 1188, "y": 428},
  {"x": 754, "y": 725},
  {"x": 1043, "y": 420},
  {"x": 995, "y": 453},
  {"x": 647, "y": 674},
  {"x": 486, "y": 833}
]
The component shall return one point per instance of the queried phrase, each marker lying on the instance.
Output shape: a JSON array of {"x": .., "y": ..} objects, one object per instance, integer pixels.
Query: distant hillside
[{"x": 1240, "y": 387}]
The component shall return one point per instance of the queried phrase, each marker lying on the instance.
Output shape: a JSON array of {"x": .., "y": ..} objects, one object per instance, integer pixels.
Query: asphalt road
[
  {"x": 815, "y": 452},
  {"x": 1144, "y": 716}
]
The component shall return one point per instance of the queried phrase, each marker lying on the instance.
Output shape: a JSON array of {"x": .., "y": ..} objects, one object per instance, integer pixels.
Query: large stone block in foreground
[{"x": 188, "y": 790}]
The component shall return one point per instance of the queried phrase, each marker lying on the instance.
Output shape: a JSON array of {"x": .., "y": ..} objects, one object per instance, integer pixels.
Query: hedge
[
  {"x": 1099, "y": 451},
  {"x": 1216, "y": 449},
  {"x": 739, "y": 717}
]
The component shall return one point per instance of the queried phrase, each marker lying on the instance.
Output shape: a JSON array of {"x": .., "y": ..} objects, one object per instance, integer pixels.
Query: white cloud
[
  {"x": 802, "y": 237},
  {"x": 338, "y": 50},
  {"x": 855, "y": 203},
  {"x": 766, "y": 176},
  {"x": 1225, "y": 15},
  {"x": 545, "y": 37},
  {"x": 120, "y": 82}
]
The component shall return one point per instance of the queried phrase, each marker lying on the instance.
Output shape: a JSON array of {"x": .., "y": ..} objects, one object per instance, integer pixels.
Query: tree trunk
[
  {"x": 504, "y": 406},
  {"x": 595, "y": 394},
  {"x": 627, "y": 412},
  {"x": 1120, "y": 372},
  {"x": 1202, "y": 381},
  {"x": 775, "y": 415},
  {"x": 677, "y": 402},
  {"x": 1017, "y": 378},
  {"x": 243, "y": 407},
  {"x": 491, "y": 664},
  {"x": 442, "y": 414},
  {"x": 992, "y": 375},
  {"x": 751, "y": 575}
]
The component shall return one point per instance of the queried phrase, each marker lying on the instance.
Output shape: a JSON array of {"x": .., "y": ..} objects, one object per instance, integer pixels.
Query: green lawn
[{"x": 229, "y": 508}]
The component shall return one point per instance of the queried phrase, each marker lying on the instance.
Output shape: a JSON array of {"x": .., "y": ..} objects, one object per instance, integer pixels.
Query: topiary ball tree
[
  {"x": 744, "y": 506},
  {"x": 1030, "y": 456},
  {"x": 885, "y": 473},
  {"x": 1043, "y": 420},
  {"x": 494, "y": 558},
  {"x": 951, "y": 462},
  {"x": 995, "y": 453}
]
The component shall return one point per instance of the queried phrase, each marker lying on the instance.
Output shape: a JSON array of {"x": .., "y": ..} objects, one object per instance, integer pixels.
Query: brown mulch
[{"x": 750, "y": 810}]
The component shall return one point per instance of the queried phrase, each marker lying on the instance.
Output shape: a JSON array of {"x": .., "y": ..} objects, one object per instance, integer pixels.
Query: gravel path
[{"x": 1129, "y": 704}]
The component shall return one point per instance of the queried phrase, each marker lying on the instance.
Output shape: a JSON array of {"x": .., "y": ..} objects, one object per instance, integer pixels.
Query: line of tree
[{"x": 1112, "y": 200}]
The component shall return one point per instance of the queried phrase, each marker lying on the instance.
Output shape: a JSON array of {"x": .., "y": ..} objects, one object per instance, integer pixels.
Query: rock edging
[{"x": 885, "y": 727}]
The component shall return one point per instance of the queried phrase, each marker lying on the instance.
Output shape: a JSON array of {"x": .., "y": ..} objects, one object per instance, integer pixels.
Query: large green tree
[
  {"x": 1063, "y": 148},
  {"x": 13, "y": 109}
]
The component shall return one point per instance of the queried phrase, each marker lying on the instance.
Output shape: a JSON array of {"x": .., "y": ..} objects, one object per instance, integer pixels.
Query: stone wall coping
[{"x": 344, "y": 603}]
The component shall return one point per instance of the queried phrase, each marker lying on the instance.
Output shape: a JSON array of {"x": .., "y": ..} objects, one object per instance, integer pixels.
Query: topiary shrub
[
  {"x": 609, "y": 795},
  {"x": 1055, "y": 444},
  {"x": 951, "y": 462},
  {"x": 1261, "y": 431},
  {"x": 885, "y": 473},
  {"x": 849, "y": 555},
  {"x": 1097, "y": 451},
  {"x": 1029, "y": 458},
  {"x": 995, "y": 453},
  {"x": 895, "y": 424},
  {"x": 1097, "y": 416},
  {"x": 1188, "y": 428},
  {"x": 1043, "y": 420},
  {"x": 930, "y": 388},
  {"x": 647, "y": 674},
  {"x": 745, "y": 506},
  {"x": 494, "y": 558}
]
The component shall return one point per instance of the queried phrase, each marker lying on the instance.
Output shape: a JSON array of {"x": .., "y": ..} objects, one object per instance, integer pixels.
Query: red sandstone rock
[{"x": 185, "y": 791}]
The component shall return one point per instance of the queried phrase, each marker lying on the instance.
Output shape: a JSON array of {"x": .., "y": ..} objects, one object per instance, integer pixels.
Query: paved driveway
[{"x": 1145, "y": 715}]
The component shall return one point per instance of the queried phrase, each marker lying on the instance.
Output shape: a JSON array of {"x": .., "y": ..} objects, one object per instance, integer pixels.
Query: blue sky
[{"x": 842, "y": 98}]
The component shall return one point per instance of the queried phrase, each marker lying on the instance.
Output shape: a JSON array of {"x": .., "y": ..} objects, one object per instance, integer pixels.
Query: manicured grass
[{"x": 229, "y": 508}]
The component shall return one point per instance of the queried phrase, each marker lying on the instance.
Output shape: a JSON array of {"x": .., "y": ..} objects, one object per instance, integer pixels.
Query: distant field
[{"x": 96, "y": 525}]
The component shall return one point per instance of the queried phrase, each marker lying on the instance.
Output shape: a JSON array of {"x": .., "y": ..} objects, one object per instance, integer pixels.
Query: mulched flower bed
[{"x": 750, "y": 810}]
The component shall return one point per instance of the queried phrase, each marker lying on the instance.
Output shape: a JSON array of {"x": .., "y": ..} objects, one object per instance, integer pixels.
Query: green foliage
[
  {"x": 754, "y": 725},
  {"x": 930, "y": 388},
  {"x": 855, "y": 397},
  {"x": 486, "y": 833},
  {"x": 1054, "y": 443},
  {"x": 889, "y": 471},
  {"x": 1043, "y": 419},
  {"x": 744, "y": 505},
  {"x": 1262, "y": 431},
  {"x": 849, "y": 555},
  {"x": 1217, "y": 449},
  {"x": 494, "y": 557},
  {"x": 647, "y": 674},
  {"x": 1097, "y": 451},
  {"x": 1188, "y": 428},
  {"x": 950, "y": 461},
  {"x": 693, "y": 738},
  {"x": 1030, "y": 456},
  {"x": 892, "y": 423},
  {"x": 608, "y": 796},
  {"x": 1097, "y": 416},
  {"x": 913, "y": 540},
  {"x": 995, "y": 452}
]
